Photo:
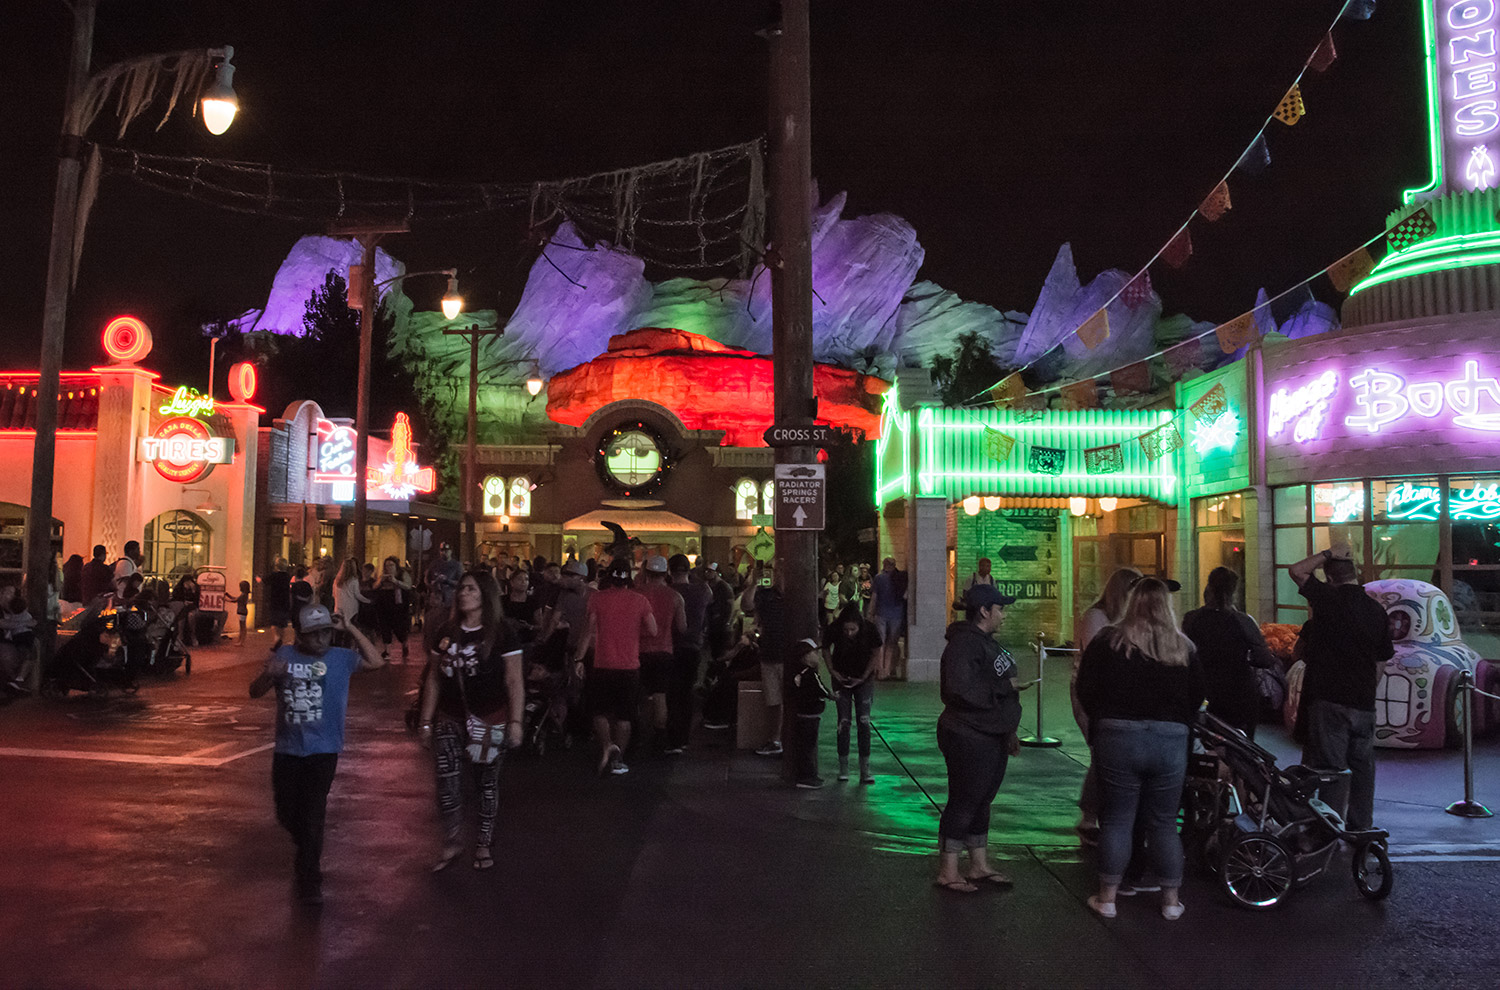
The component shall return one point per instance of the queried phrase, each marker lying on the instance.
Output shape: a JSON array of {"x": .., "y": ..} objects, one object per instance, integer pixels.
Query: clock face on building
[{"x": 632, "y": 459}]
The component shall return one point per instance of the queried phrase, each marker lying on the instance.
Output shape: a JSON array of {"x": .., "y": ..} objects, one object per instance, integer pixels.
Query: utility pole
[
  {"x": 471, "y": 449},
  {"x": 790, "y": 260},
  {"x": 39, "y": 559},
  {"x": 369, "y": 236}
]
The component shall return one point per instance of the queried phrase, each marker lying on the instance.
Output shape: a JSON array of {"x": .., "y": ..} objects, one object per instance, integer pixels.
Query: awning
[{"x": 634, "y": 520}]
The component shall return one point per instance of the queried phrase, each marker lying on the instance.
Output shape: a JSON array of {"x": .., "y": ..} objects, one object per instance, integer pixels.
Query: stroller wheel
[
  {"x": 1257, "y": 870},
  {"x": 1372, "y": 870}
]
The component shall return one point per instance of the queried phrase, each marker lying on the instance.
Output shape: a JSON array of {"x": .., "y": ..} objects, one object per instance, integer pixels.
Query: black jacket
[{"x": 976, "y": 683}]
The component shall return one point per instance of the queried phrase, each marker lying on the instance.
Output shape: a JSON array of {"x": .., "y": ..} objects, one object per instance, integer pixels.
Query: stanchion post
[
  {"x": 1468, "y": 807},
  {"x": 1041, "y": 739}
]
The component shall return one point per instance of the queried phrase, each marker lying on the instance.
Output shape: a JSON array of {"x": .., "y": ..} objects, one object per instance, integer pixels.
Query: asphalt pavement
[{"x": 140, "y": 850}]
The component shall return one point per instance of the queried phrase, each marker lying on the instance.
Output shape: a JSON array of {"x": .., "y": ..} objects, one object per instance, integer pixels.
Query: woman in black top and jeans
[
  {"x": 1231, "y": 647},
  {"x": 1140, "y": 683},
  {"x": 977, "y": 736},
  {"x": 474, "y": 669}
]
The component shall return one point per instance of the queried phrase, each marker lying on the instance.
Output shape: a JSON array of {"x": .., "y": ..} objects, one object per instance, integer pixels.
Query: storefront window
[
  {"x": 176, "y": 543},
  {"x": 1220, "y": 525},
  {"x": 520, "y": 497},
  {"x": 746, "y": 499},
  {"x": 1474, "y": 507},
  {"x": 1289, "y": 505},
  {"x": 768, "y": 498}
]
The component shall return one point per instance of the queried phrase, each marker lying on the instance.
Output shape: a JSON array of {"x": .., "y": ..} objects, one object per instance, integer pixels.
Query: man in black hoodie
[{"x": 977, "y": 736}]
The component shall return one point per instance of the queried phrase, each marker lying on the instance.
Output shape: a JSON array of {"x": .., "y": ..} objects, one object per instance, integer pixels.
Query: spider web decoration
[{"x": 704, "y": 212}]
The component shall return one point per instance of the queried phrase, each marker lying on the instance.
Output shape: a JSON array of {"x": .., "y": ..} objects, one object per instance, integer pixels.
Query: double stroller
[
  {"x": 1266, "y": 830},
  {"x": 116, "y": 643}
]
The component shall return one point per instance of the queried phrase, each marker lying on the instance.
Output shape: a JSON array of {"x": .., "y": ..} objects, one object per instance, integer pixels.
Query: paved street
[{"x": 140, "y": 850}]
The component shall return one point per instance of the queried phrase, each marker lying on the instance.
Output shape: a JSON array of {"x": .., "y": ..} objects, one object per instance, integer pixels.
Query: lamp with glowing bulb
[
  {"x": 1107, "y": 504},
  {"x": 208, "y": 507},
  {"x": 992, "y": 502},
  {"x": 971, "y": 505},
  {"x": 534, "y": 383},
  {"x": 1078, "y": 506},
  {"x": 453, "y": 303},
  {"x": 219, "y": 102}
]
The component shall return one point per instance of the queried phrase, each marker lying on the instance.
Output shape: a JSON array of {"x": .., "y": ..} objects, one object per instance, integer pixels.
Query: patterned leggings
[{"x": 448, "y": 748}]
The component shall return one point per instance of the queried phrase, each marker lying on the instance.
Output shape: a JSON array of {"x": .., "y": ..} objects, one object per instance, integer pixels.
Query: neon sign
[
  {"x": 1220, "y": 434},
  {"x": 243, "y": 381},
  {"x": 1409, "y": 501},
  {"x": 399, "y": 477},
  {"x": 182, "y": 450},
  {"x": 336, "y": 459},
  {"x": 1304, "y": 409},
  {"x": 1385, "y": 398},
  {"x": 1463, "y": 104},
  {"x": 127, "y": 339},
  {"x": 1343, "y": 504},
  {"x": 187, "y": 402}
]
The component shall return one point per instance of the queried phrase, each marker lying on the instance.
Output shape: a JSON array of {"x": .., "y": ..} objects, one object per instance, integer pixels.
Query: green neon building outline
[{"x": 1434, "y": 111}]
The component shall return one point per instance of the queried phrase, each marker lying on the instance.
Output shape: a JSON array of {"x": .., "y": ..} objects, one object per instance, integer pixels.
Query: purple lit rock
[{"x": 302, "y": 273}]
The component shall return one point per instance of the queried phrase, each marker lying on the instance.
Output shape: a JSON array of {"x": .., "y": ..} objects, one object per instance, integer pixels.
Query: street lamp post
[
  {"x": 470, "y": 480},
  {"x": 83, "y": 93}
]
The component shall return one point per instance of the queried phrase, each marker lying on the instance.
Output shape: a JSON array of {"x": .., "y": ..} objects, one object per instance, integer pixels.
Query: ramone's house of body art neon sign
[
  {"x": 1304, "y": 409},
  {"x": 1385, "y": 398},
  {"x": 1423, "y": 502}
]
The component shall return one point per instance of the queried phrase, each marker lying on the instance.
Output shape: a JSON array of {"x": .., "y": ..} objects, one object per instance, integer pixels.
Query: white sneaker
[
  {"x": 1100, "y": 908},
  {"x": 1173, "y": 911},
  {"x": 771, "y": 748}
]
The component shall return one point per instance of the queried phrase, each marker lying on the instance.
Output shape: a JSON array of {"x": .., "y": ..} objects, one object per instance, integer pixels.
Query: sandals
[
  {"x": 959, "y": 886},
  {"x": 998, "y": 879},
  {"x": 483, "y": 860}
]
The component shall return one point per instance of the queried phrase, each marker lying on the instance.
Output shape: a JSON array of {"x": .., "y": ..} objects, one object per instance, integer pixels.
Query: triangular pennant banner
[
  {"x": 1213, "y": 404},
  {"x": 1081, "y": 395},
  {"x": 1160, "y": 441},
  {"x": 1291, "y": 108},
  {"x": 1005, "y": 393},
  {"x": 1109, "y": 459},
  {"x": 1351, "y": 269},
  {"x": 1237, "y": 333},
  {"x": 1094, "y": 330},
  {"x": 1179, "y": 249},
  {"x": 1256, "y": 157},
  {"x": 1323, "y": 57},
  {"x": 1046, "y": 460},
  {"x": 1359, "y": 10},
  {"x": 1216, "y": 204},
  {"x": 1417, "y": 227},
  {"x": 1138, "y": 292},
  {"x": 997, "y": 445},
  {"x": 1131, "y": 378}
]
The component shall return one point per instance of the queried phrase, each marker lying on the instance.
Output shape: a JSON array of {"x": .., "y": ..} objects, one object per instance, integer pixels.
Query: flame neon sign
[
  {"x": 400, "y": 478},
  {"x": 1409, "y": 501}
]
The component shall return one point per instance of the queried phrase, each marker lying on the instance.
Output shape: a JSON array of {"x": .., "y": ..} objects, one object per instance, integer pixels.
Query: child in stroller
[
  {"x": 721, "y": 683},
  {"x": 551, "y": 690},
  {"x": 118, "y": 639},
  {"x": 1267, "y": 829}
]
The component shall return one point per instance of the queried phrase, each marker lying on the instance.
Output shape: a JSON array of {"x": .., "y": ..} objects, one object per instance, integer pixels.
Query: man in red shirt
[
  {"x": 619, "y": 617},
  {"x": 656, "y": 651}
]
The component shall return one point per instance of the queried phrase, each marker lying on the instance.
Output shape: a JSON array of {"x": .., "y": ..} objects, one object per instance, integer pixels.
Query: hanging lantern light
[
  {"x": 1078, "y": 506},
  {"x": 1108, "y": 504},
  {"x": 992, "y": 502},
  {"x": 971, "y": 505},
  {"x": 453, "y": 303}
]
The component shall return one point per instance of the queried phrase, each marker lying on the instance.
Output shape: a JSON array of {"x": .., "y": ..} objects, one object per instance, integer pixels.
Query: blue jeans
[
  {"x": 1343, "y": 738},
  {"x": 1141, "y": 765},
  {"x": 855, "y": 701}
]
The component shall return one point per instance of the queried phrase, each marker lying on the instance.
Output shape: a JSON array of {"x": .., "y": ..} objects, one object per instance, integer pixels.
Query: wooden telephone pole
[
  {"x": 471, "y": 450},
  {"x": 790, "y": 260}
]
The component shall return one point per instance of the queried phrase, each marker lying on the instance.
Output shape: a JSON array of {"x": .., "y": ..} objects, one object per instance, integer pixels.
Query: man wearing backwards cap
[{"x": 312, "y": 693}]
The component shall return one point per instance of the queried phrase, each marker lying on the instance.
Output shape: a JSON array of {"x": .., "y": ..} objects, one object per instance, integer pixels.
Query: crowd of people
[{"x": 625, "y": 644}]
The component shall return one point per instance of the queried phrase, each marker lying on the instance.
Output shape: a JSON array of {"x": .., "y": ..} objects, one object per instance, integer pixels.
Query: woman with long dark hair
[
  {"x": 1140, "y": 684},
  {"x": 1103, "y": 613},
  {"x": 977, "y": 736},
  {"x": 1231, "y": 647},
  {"x": 393, "y": 597},
  {"x": 473, "y": 690}
]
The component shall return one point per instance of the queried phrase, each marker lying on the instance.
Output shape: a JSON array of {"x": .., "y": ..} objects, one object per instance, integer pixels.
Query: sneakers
[
  {"x": 1100, "y": 908},
  {"x": 1173, "y": 911},
  {"x": 714, "y": 726},
  {"x": 674, "y": 750},
  {"x": 772, "y": 748},
  {"x": 843, "y": 770},
  {"x": 610, "y": 759},
  {"x": 866, "y": 777},
  {"x": 1131, "y": 889},
  {"x": 618, "y": 768},
  {"x": 810, "y": 783}
]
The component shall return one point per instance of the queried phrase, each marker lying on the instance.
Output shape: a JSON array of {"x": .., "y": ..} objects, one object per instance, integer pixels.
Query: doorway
[{"x": 1095, "y": 558}]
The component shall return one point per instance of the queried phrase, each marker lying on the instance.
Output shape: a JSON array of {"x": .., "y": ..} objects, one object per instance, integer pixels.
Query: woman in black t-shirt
[
  {"x": 473, "y": 682},
  {"x": 1232, "y": 649},
  {"x": 1140, "y": 684},
  {"x": 853, "y": 645}
]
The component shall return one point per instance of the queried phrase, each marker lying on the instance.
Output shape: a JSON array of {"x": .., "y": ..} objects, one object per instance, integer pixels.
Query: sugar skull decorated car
[{"x": 1417, "y": 702}]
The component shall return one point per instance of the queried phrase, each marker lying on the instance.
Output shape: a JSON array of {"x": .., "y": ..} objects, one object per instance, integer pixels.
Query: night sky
[{"x": 999, "y": 130}]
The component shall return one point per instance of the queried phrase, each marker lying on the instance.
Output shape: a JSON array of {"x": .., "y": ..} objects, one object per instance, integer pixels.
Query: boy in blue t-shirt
[{"x": 312, "y": 694}]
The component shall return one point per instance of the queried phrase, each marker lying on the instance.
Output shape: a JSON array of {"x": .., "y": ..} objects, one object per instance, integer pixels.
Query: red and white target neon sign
[
  {"x": 182, "y": 450},
  {"x": 127, "y": 339},
  {"x": 243, "y": 381}
]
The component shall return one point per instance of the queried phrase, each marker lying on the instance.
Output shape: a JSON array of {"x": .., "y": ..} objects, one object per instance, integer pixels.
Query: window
[
  {"x": 494, "y": 495},
  {"x": 746, "y": 499},
  {"x": 176, "y": 543},
  {"x": 1220, "y": 524},
  {"x": 768, "y": 498},
  {"x": 520, "y": 496},
  {"x": 632, "y": 458},
  {"x": 1474, "y": 508}
]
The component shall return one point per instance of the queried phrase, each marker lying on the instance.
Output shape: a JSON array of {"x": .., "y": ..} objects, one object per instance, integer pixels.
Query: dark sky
[{"x": 999, "y": 130}]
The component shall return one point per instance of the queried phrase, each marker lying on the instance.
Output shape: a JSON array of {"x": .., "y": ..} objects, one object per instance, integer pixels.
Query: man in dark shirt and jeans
[{"x": 1345, "y": 644}]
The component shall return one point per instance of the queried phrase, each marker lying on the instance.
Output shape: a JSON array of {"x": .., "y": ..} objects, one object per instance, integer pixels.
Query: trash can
[{"x": 753, "y": 726}]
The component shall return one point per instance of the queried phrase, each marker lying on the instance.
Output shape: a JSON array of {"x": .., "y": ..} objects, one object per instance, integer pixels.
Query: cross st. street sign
[
  {"x": 803, "y": 436},
  {"x": 800, "y": 490}
]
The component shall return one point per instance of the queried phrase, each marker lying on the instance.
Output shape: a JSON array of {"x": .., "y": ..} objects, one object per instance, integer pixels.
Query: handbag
[{"x": 485, "y": 740}]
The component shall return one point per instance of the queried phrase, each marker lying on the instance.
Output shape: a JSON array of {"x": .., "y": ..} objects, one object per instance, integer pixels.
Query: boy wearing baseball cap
[
  {"x": 311, "y": 678},
  {"x": 809, "y": 695}
]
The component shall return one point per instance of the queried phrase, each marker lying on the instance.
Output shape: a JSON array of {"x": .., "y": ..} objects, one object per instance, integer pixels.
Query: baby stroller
[
  {"x": 721, "y": 684},
  {"x": 546, "y": 722},
  {"x": 110, "y": 650},
  {"x": 1264, "y": 829}
]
